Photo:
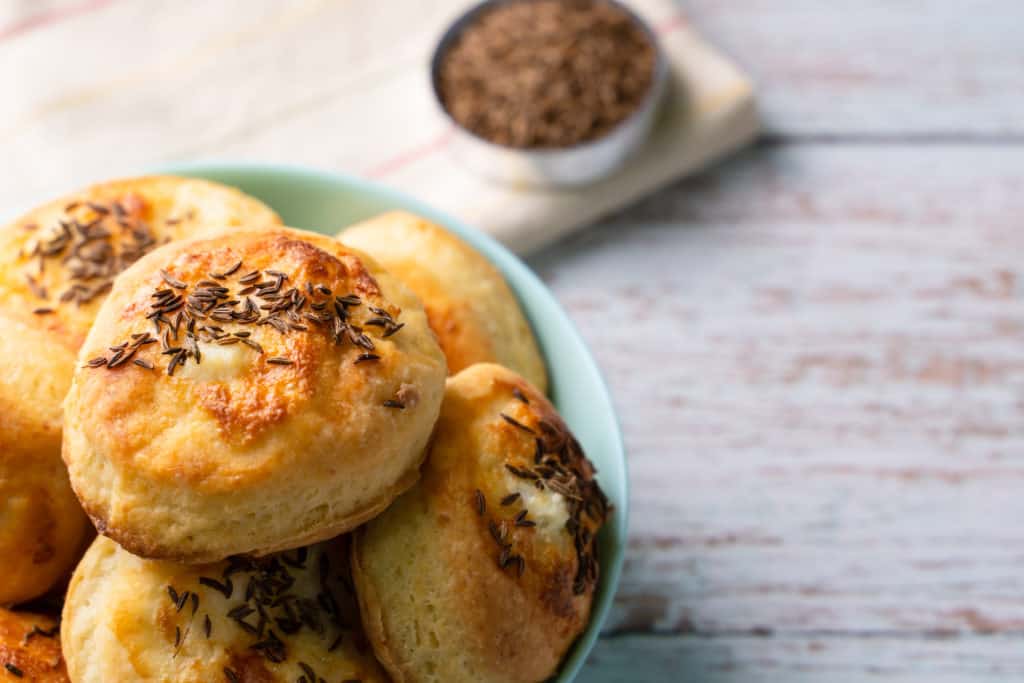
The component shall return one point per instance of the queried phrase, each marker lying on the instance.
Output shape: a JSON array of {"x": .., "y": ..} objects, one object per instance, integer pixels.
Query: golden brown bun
[
  {"x": 30, "y": 648},
  {"x": 470, "y": 307},
  {"x": 128, "y": 619},
  {"x": 138, "y": 213},
  {"x": 250, "y": 450},
  {"x": 42, "y": 528},
  {"x": 451, "y": 586}
]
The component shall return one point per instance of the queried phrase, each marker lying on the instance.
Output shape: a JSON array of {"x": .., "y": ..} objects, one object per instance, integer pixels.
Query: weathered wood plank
[
  {"x": 849, "y": 659},
  {"x": 877, "y": 67},
  {"x": 944, "y": 190},
  {"x": 820, "y": 374}
]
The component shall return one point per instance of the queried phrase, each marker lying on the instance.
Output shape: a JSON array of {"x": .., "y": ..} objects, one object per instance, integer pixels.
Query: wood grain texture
[
  {"x": 877, "y": 68},
  {"x": 732, "y": 659},
  {"x": 816, "y": 355}
]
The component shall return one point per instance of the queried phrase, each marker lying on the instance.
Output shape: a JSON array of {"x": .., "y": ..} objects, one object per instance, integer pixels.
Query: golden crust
[
  {"x": 469, "y": 305},
  {"x": 129, "y": 619},
  {"x": 251, "y": 449},
  {"x": 455, "y": 581},
  {"x": 29, "y": 643},
  {"x": 42, "y": 528},
  {"x": 159, "y": 208}
]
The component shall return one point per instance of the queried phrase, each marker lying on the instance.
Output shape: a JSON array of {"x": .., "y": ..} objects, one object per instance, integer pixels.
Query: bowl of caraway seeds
[{"x": 548, "y": 92}]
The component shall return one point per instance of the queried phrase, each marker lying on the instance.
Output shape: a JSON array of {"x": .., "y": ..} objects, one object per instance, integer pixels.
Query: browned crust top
[{"x": 30, "y": 648}]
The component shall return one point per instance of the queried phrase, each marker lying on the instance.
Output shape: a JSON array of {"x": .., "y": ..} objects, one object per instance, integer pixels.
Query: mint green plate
[{"x": 326, "y": 202}]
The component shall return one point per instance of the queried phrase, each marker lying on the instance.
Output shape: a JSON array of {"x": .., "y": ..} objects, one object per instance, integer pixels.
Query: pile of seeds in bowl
[{"x": 546, "y": 73}]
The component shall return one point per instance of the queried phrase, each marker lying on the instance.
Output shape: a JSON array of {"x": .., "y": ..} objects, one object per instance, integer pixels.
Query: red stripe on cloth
[
  {"x": 37, "y": 21},
  {"x": 411, "y": 155},
  {"x": 672, "y": 23}
]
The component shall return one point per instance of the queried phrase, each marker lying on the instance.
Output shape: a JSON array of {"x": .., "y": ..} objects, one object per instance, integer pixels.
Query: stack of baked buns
[{"x": 306, "y": 458}]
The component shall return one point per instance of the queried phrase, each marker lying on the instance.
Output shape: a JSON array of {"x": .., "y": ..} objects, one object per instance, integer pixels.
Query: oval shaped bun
[
  {"x": 470, "y": 307},
  {"x": 129, "y": 619},
  {"x": 61, "y": 257},
  {"x": 485, "y": 570},
  {"x": 287, "y": 397},
  {"x": 30, "y": 648}
]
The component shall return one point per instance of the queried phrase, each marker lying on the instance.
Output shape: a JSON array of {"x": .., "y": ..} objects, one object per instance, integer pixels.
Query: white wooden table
[{"x": 817, "y": 351}]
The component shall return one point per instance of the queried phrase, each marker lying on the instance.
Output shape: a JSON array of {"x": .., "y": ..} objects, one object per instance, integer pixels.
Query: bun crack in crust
[
  {"x": 249, "y": 393},
  {"x": 30, "y": 648},
  {"x": 57, "y": 264},
  {"x": 470, "y": 307},
  {"x": 285, "y": 617},
  {"x": 486, "y": 569}
]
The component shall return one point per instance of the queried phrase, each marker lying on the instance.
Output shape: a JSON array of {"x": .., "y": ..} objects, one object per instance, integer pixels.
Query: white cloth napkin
[{"x": 99, "y": 88}]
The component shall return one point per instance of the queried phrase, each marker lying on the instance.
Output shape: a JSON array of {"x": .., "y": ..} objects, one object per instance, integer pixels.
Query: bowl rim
[
  {"x": 650, "y": 100},
  {"x": 520, "y": 277}
]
